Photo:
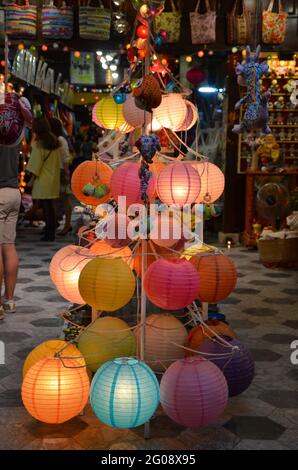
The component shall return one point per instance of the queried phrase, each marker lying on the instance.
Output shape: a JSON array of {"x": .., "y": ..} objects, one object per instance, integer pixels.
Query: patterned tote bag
[
  {"x": 94, "y": 21},
  {"x": 21, "y": 20},
  {"x": 239, "y": 26},
  {"x": 171, "y": 22},
  {"x": 57, "y": 21},
  {"x": 274, "y": 24},
  {"x": 203, "y": 26}
]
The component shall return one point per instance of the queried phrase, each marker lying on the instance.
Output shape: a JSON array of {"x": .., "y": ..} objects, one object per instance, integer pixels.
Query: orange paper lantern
[
  {"x": 217, "y": 274},
  {"x": 199, "y": 333},
  {"x": 178, "y": 184},
  {"x": 172, "y": 111},
  {"x": 93, "y": 173},
  {"x": 212, "y": 182},
  {"x": 102, "y": 248},
  {"x": 54, "y": 391}
]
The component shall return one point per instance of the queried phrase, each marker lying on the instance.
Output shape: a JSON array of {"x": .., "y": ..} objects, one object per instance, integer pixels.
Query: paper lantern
[
  {"x": 115, "y": 228},
  {"x": 49, "y": 349},
  {"x": 171, "y": 285},
  {"x": 65, "y": 270},
  {"x": 152, "y": 253},
  {"x": 172, "y": 111},
  {"x": 102, "y": 248},
  {"x": 212, "y": 182},
  {"x": 124, "y": 393},
  {"x": 191, "y": 117},
  {"x": 167, "y": 230},
  {"x": 126, "y": 182},
  {"x": 193, "y": 392},
  {"x": 178, "y": 184},
  {"x": 238, "y": 369},
  {"x": 106, "y": 113},
  {"x": 217, "y": 274},
  {"x": 105, "y": 339},
  {"x": 133, "y": 115},
  {"x": 107, "y": 284},
  {"x": 94, "y": 175},
  {"x": 162, "y": 331},
  {"x": 157, "y": 166},
  {"x": 195, "y": 76},
  {"x": 200, "y": 332},
  {"x": 54, "y": 392}
]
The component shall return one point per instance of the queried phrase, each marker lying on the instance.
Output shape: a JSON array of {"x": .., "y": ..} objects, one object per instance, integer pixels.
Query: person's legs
[
  {"x": 11, "y": 266},
  {"x": 49, "y": 212}
]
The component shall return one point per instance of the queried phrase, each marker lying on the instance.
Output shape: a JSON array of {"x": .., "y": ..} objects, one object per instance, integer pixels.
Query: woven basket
[{"x": 279, "y": 253}]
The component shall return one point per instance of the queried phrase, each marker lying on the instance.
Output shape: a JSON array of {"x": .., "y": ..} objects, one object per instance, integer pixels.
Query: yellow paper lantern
[
  {"x": 54, "y": 391},
  {"x": 172, "y": 111},
  {"x": 107, "y": 284},
  {"x": 105, "y": 339},
  {"x": 49, "y": 349},
  {"x": 102, "y": 248},
  {"x": 106, "y": 113},
  {"x": 65, "y": 269},
  {"x": 212, "y": 182},
  {"x": 162, "y": 331}
]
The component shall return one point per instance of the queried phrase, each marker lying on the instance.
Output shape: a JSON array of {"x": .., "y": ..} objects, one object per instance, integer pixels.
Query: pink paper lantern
[
  {"x": 193, "y": 392},
  {"x": 133, "y": 115},
  {"x": 212, "y": 182},
  {"x": 125, "y": 181},
  {"x": 191, "y": 117},
  {"x": 166, "y": 230},
  {"x": 179, "y": 184},
  {"x": 115, "y": 229},
  {"x": 171, "y": 285}
]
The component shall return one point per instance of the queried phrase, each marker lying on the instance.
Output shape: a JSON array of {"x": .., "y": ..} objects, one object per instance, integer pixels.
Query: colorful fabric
[
  {"x": 57, "y": 23},
  {"x": 274, "y": 25},
  {"x": 169, "y": 22},
  {"x": 21, "y": 20},
  {"x": 95, "y": 23},
  {"x": 239, "y": 26},
  {"x": 203, "y": 26},
  {"x": 45, "y": 165}
]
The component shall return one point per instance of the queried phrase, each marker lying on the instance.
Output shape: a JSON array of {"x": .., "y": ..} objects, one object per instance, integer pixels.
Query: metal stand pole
[{"x": 6, "y": 50}]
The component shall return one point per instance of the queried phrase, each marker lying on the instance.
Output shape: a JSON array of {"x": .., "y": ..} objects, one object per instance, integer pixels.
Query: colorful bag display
[
  {"x": 95, "y": 22},
  {"x": 203, "y": 26},
  {"x": 170, "y": 22},
  {"x": 57, "y": 21},
  {"x": 239, "y": 26},
  {"x": 274, "y": 24},
  {"x": 21, "y": 20}
]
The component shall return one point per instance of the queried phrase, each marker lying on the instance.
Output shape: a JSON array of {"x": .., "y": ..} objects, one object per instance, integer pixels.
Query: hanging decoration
[{"x": 90, "y": 182}]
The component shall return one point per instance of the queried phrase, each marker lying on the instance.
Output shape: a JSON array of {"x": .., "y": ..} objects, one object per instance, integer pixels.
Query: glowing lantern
[
  {"x": 191, "y": 117},
  {"x": 49, "y": 349},
  {"x": 171, "y": 285},
  {"x": 107, "y": 284},
  {"x": 106, "y": 113},
  {"x": 200, "y": 332},
  {"x": 142, "y": 32},
  {"x": 133, "y": 115},
  {"x": 102, "y": 248},
  {"x": 212, "y": 182},
  {"x": 193, "y": 392},
  {"x": 217, "y": 274},
  {"x": 115, "y": 229},
  {"x": 106, "y": 339},
  {"x": 178, "y": 184},
  {"x": 166, "y": 229},
  {"x": 90, "y": 182},
  {"x": 126, "y": 182},
  {"x": 65, "y": 270},
  {"x": 163, "y": 335},
  {"x": 124, "y": 393},
  {"x": 172, "y": 111},
  {"x": 152, "y": 253},
  {"x": 54, "y": 391}
]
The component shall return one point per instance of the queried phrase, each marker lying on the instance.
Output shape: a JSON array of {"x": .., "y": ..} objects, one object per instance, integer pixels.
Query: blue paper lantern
[
  {"x": 124, "y": 393},
  {"x": 120, "y": 98}
]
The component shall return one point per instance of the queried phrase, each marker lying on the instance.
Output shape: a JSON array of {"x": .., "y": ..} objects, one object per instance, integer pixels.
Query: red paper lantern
[
  {"x": 178, "y": 184},
  {"x": 195, "y": 76},
  {"x": 142, "y": 32},
  {"x": 171, "y": 285}
]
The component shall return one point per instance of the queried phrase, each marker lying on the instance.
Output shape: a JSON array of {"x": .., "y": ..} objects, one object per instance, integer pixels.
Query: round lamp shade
[
  {"x": 166, "y": 230},
  {"x": 152, "y": 253},
  {"x": 193, "y": 392},
  {"x": 162, "y": 335},
  {"x": 126, "y": 182},
  {"x": 191, "y": 117},
  {"x": 106, "y": 113},
  {"x": 178, "y": 184},
  {"x": 195, "y": 76},
  {"x": 65, "y": 270},
  {"x": 124, "y": 393},
  {"x": 107, "y": 284},
  {"x": 105, "y": 339},
  {"x": 171, "y": 285},
  {"x": 90, "y": 182},
  {"x": 54, "y": 392},
  {"x": 49, "y": 349},
  {"x": 212, "y": 182},
  {"x": 217, "y": 274},
  {"x": 103, "y": 249},
  {"x": 238, "y": 369},
  {"x": 200, "y": 332},
  {"x": 115, "y": 228},
  {"x": 133, "y": 115},
  {"x": 172, "y": 111}
]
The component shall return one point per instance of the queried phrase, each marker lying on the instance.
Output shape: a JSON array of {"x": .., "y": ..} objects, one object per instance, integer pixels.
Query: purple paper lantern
[
  {"x": 238, "y": 369},
  {"x": 193, "y": 392}
]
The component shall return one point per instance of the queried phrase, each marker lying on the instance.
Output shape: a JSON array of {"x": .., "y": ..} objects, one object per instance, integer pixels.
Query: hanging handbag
[
  {"x": 239, "y": 26},
  {"x": 21, "y": 20},
  {"x": 95, "y": 22},
  {"x": 170, "y": 22},
  {"x": 203, "y": 26},
  {"x": 57, "y": 21},
  {"x": 274, "y": 24}
]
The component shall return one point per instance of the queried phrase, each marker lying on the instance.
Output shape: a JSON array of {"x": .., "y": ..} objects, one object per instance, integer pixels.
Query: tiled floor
[{"x": 264, "y": 312}]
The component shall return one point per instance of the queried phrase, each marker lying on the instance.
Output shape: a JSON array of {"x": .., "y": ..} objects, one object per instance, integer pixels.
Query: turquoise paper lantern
[{"x": 124, "y": 393}]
